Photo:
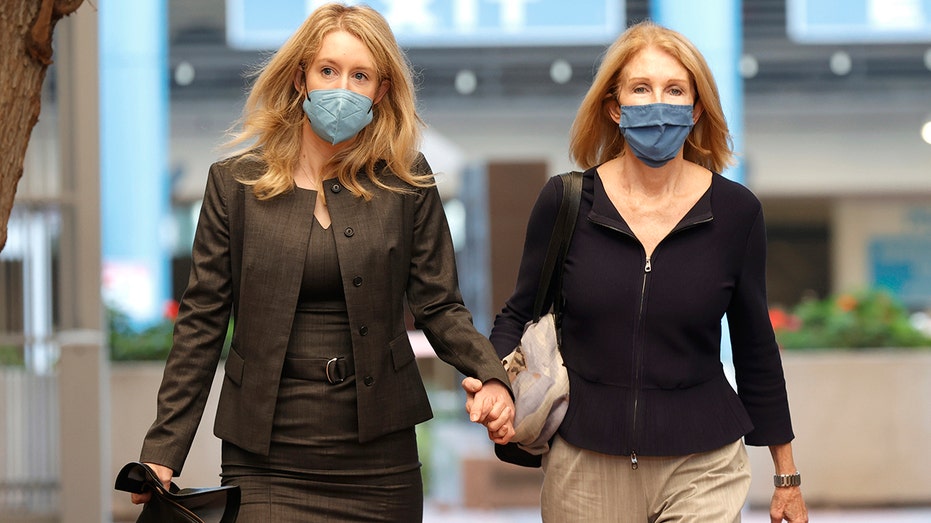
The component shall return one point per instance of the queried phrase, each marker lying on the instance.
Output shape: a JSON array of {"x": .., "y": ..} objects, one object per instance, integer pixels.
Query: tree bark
[{"x": 26, "y": 28}]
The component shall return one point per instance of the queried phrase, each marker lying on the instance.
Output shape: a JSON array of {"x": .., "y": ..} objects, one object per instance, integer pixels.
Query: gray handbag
[{"x": 535, "y": 367}]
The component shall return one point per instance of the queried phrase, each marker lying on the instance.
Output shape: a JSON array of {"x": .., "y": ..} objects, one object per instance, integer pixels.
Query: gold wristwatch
[{"x": 787, "y": 480}]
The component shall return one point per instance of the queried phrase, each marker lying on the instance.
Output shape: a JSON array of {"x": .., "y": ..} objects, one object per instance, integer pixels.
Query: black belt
[{"x": 331, "y": 370}]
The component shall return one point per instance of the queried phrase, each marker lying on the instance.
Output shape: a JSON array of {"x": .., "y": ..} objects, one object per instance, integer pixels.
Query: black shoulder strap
[{"x": 559, "y": 242}]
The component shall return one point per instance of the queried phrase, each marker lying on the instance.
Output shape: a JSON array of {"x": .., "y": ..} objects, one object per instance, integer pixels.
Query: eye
[
  {"x": 640, "y": 89},
  {"x": 327, "y": 71},
  {"x": 676, "y": 91},
  {"x": 360, "y": 76}
]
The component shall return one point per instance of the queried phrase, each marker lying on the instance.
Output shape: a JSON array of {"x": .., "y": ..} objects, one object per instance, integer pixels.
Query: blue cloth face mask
[
  {"x": 656, "y": 132},
  {"x": 337, "y": 115}
]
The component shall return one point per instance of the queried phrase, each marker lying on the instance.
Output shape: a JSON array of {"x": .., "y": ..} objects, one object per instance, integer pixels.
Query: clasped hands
[{"x": 491, "y": 405}]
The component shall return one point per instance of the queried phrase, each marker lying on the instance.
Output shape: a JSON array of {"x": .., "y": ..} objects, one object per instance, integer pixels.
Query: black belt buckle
[{"x": 334, "y": 372}]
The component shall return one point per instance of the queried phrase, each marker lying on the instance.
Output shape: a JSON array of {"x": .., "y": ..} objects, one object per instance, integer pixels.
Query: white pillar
[{"x": 86, "y": 485}]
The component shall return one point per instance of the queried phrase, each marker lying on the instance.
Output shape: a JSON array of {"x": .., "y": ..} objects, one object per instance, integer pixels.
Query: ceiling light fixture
[
  {"x": 466, "y": 82},
  {"x": 841, "y": 63}
]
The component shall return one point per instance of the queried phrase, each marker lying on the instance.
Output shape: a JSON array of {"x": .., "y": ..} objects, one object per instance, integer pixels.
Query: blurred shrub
[
  {"x": 872, "y": 318},
  {"x": 151, "y": 343},
  {"x": 11, "y": 356}
]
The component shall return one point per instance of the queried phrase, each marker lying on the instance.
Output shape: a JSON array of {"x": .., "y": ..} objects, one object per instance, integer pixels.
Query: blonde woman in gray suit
[{"x": 313, "y": 239}]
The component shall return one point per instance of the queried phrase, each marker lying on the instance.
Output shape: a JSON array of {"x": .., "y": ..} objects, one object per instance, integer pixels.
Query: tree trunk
[{"x": 26, "y": 28}]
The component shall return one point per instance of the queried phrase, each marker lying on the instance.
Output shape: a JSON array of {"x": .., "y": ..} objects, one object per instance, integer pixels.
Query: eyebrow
[
  {"x": 670, "y": 80},
  {"x": 323, "y": 60}
]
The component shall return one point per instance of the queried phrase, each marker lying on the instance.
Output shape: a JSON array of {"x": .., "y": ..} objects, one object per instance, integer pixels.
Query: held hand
[
  {"x": 471, "y": 386},
  {"x": 788, "y": 505},
  {"x": 163, "y": 473},
  {"x": 490, "y": 404}
]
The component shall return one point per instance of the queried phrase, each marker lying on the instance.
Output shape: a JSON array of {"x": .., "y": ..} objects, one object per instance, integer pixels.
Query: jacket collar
[{"x": 604, "y": 213}]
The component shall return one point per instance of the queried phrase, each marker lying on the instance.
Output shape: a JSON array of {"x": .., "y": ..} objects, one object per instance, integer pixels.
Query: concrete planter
[{"x": 862, "y": 422}]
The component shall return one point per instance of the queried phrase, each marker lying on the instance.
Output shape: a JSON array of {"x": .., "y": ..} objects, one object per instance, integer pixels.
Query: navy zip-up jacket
[{"x": 641, "y": 337}]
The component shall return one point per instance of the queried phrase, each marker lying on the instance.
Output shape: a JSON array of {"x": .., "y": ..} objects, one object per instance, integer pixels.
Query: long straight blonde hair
[
  {"x": 273, "y": 115},
  {"x": 595, "y": 138}
]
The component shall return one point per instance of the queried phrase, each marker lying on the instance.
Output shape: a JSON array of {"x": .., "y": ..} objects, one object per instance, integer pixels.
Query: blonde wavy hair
[
  {"x": 595, "y": 138},
  {"x": 272, "y": 117}
]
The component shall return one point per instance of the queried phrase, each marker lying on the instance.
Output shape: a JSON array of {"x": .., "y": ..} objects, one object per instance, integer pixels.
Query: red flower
[
  {"x": 171, "y": 310},
  {"x": 782, "y": 320}
]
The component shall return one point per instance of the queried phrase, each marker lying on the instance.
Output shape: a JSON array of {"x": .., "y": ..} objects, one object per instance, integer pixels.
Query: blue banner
[
  {"x": 859, "y": 21},
  {"x": 266, "y": 24}
]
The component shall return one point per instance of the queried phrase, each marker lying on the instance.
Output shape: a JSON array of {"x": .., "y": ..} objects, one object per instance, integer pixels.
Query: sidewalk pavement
[{"x": 442, "y": 514}]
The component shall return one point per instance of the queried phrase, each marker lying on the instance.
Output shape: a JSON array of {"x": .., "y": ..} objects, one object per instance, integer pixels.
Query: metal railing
[{"x": 29, "y": 442}]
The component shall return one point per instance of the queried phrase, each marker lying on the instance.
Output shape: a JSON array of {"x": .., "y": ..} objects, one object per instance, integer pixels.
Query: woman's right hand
[{"x": 163, "y": 473}]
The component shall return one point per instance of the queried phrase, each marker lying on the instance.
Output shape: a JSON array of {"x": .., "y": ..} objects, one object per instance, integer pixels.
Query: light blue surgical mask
[
  {"x": 656, "y": 132},
  {"x": 337, "y": 115}
]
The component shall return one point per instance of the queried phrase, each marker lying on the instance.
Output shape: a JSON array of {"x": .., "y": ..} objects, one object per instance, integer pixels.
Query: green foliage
[
  {"x": 152, "y": 343},
  {"x": 425, "y": 451},
  {"x": 129, "y": 344},
  {"x": 871, "y": 318},
  {"x": 11, "y": 356}
]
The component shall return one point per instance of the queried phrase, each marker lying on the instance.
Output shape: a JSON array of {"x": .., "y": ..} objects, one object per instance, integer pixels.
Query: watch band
[{"x": 787, "y": 480}]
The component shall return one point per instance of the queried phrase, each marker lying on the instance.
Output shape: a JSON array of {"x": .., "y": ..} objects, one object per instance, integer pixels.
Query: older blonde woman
[
  {"x": 314, "y": 239},
  {"x": 663, "y": 248}
]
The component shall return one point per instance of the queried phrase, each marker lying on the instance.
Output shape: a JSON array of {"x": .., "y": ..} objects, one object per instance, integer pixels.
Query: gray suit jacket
[{"x": 248, "y": 258}]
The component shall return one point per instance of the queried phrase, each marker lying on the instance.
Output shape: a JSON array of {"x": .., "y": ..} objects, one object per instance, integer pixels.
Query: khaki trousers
[{"x": 584, "y": 486}]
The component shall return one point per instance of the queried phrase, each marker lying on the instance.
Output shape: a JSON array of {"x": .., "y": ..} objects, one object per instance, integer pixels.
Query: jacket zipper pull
[
  {"x": 648, "y": 267},
  {"x": 633, "y": 461}
]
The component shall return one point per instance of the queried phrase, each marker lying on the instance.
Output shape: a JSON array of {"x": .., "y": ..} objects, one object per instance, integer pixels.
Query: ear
[
  {"x": 300, "y": 80},
  {"x": 697, "y": 109},
  {"x": 613, "y": 109},
  {"x": 382, "y": 90}
]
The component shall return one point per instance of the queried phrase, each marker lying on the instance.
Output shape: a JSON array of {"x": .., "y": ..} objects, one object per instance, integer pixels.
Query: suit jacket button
[
  {"x": 349, "y": 232},
  {"x": 369, "y": 381},
  {"x": 335, "y": 188},
  {"x": 363, "y": 330},
  {"x": 357, "y": 281}
]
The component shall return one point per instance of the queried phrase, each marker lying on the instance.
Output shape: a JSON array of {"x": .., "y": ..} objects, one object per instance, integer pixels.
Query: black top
[
  {"x": 322, "y": 283},
  {"x": 641, "y": 337}
]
